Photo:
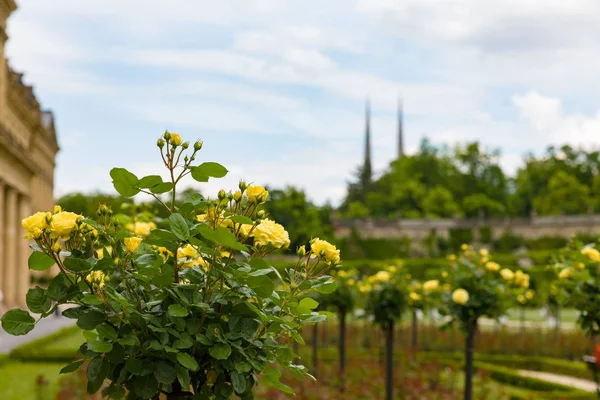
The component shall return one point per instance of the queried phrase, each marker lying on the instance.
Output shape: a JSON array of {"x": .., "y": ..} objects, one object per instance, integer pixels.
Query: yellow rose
[
  {"x": 256, "y": 194},
  {"x": 325, "y": 251},
  {"x": 580, "y": 266},
  {"x": 382, "y": 276},
  {"x": 37, "y": 222},
  {"x": 444, "y": 274},
  {"x": 591, "y": 253},
  {"x": 271, "y": 233},
  {"x": 187, "y": 251},
  {"x": 492, "y": 266},
  {"x": 391, "y": 268},
  {"x": 432, "y": 285},
  {"x": 342, "y": 274},
  {"x": 529, "y": 294},
  {"x": 484, "y": 253},
  {"x": 507, "y": 274},
  {"x": 202, "y": 262},
  {"x": 132, "y": 243},
  {"x": 245, "y": 229},
  {"x": 96, "y": 278},
  {"x": 63, "y": 223},
  {"x": 451, "y": 257},
  {"x": 460, "y": 296},
  {"x": 141, "y": 228},
  {"x": 351, "y": 282},
  {"x": 414, "y": 297},
  {"x": 465, "y": 247},
  {"x": 521, "y": 299},
  {"x": 565, "y": 273},
  {"x": 175, "y": 139}
]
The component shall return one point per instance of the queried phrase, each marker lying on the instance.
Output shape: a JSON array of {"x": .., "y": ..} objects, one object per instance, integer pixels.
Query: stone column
[
  {"x": 2, "y": 266},
  {"x": 23, "y": 274},
  {"x": 10, "y": 247}
]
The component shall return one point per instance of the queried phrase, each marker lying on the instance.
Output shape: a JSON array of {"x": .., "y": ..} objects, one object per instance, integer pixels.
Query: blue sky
[{"x": 276, "y": 89}]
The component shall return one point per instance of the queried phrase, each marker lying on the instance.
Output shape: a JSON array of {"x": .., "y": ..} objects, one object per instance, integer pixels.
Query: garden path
[
  {"x": 45, "y": 327},
  {"x": 581, "y": 384}
]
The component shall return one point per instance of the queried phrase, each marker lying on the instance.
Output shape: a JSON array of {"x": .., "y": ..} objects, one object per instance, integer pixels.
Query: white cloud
[{"x": 546, "y": 116}]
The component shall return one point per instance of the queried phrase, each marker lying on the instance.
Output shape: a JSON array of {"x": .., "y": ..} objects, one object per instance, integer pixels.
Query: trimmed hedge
[
  {"x": 3, "y": 359},
  {"x": 575, "y": 369},
  {"x": 38, "y": 350}
]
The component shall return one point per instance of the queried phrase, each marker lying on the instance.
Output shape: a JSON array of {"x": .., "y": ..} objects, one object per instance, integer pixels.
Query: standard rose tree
[
  {"x": 185, "y": 307},
  {"x": 477, "y": 287},
  {"x": 577, "y": 283}
]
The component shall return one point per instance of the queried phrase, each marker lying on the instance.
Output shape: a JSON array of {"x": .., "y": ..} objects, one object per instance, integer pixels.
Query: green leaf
[
  {"x": 124, "y": 182},
  {"x": 77, "y": 264},
  {"x": 179, "y": 227},
  {"x": 262, "y": 285},
  {"x": 106, "y": 331},
  {"x": 99, "y": 346},
  {"x": 145, "y": 386},
  {"x": 259, "y": 263},
  {"x": 177, "y": 310},
  {"x": 161, "y": 237},
  {"x": 134, "y": 365},
  {"x": 39, "y": 261},
  {"x": 162, "y": 188},
  {"x": 185, "y": 342},
  {"x": 187, "y": 361},
  {"x": 37, "y": 300},
  {"x": 309, "y": 303},
  {"x": 57, "y": 289},
  {"x": 90, "y": 319},
  {"x": 97, "y": 371},
  {"x": 203, "y": 340},
  {"x": 74, "y": 366},
  {"x": 222, "y": 236},
  {"x": 240, "y": 219},
  {"x": 194, "y": 198},
  {"x": 220, "y": 351},
  {"x": 149, "y": 181},
  {"x": 327, "y": 287},
  {"x": 207, "y": 170},
  {"x": 238, "y": 381},
  {"x": 17, "y": 322},
  {"x": 165, "y": 372},
  {"x": 183, "y": 376},
  {"x": 91, "y": 299}
]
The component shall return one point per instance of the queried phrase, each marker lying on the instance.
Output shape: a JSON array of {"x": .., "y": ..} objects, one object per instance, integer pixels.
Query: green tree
[
  {"x": 439, "y": 202},
  {"x": 564, "y": 194}
]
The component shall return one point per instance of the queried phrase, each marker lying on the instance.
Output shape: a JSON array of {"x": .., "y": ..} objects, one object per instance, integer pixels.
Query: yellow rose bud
[
  {"x": 484, "y": 253},
  {"x": 198, "y": 146},
  {"x": 160, "y": 143},
  {"x": 221, "y": 195},
  {"x": 237, "y": 196},
  {"x": 529, "y": 294},
  {"x": 56, "y": 247},
  {"x": 451, "y": 257},
  {"x": 521, "y": 299},
  {"x": 96, "y": 278},
  {"x": 57, "y": 209},
  {"x": 465, "y": 247},
  {"x": 460, "y": 296},
  {"x": 301, "y": 251},
  {"x": 580, "y": 266},
  {"x": 175, "y": 139},
  {"x": 242, "y": 185},
  {"x": 431, "y": 286},
  {"x": 132, "y": 243},
  {"x": 444, "y": 274}
]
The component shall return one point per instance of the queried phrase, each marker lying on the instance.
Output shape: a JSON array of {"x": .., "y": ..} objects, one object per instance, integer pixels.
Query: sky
[{"x": 276, "y": 89}]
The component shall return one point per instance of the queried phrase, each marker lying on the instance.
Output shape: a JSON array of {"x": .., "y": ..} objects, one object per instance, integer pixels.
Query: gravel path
[
  {"x": 45, "y": 327},
  {"x": 581, "y": 384}
]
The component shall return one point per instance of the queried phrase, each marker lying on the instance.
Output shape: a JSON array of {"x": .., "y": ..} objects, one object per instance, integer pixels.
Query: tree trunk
[
  {"x": 389, "y": 367},
  {"x": 470, "y": 344},
  {"x": 315, "y": 350},
  {"x": 414, "y": 333},
  {"x": 342, "y": 344}
]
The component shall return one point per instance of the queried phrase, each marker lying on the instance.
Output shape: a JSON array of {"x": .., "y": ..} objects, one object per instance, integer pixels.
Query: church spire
[
  {"x": 367, "y": 172},
  {"x": 400, "y": 128}
]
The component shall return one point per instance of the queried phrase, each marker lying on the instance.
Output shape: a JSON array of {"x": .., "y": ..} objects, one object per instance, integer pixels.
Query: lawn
[{"x": 18, "y": 380}]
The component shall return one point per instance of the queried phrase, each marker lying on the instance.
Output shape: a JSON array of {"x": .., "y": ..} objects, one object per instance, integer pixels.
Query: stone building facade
[{"x": 28, "y": 148}]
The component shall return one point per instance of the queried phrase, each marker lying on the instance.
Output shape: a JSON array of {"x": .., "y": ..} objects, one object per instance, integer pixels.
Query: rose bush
[
  {"x": 475, "y": 287},
  {"x": 186, "y": 306}
]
